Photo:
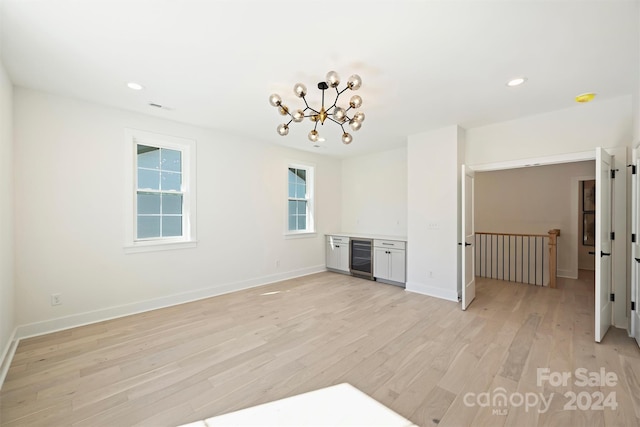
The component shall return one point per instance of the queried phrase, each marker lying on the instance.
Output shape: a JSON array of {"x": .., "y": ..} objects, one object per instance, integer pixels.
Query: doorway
[
  {"x": 607, "y": 311},
  {"x": 534, "y": 200}
]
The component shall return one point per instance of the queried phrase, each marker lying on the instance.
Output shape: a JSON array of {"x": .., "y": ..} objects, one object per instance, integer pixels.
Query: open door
[
  {"x": 468, "y": 236},
  {"x": 604, "y": 307},
  {"x": 635, "y": 248}
]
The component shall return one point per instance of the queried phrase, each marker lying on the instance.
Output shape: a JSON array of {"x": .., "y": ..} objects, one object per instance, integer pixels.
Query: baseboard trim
[
  {"x": 432, "y": 291},
  {"x": 87, "y": 318},
  {"x": 567, "y": 274},
  {"x": 7, "y": 356}
]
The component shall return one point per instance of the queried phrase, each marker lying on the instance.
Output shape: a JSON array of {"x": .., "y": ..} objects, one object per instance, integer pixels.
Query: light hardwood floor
[{"x": 418, "y": 355}]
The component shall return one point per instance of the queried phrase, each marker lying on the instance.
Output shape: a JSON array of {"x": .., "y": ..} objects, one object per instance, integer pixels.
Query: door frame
[{"x": 621, "y": 280}]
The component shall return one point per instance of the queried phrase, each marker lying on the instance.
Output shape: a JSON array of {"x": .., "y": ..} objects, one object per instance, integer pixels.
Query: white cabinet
[
  {"x": 389, "y": 260},
  {"x": 338, "y": 253}
]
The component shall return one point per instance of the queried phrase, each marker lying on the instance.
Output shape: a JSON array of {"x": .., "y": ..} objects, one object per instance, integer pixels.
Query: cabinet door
[
  {"x": 381, "y": 263},
  {"x": 343, "y": 257},
  {"x": 397, "y": 265},
  {"x": 332, "y": 260}
]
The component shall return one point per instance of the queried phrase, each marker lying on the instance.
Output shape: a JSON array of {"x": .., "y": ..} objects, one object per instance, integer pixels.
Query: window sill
[
  {"x": 154, "y": 246},
  {"x": 300, "y": 235}
]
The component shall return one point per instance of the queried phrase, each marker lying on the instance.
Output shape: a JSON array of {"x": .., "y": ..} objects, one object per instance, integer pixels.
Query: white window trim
[
  {"x": 311, "y": 219},
  {"x": 188, "y": 148}
]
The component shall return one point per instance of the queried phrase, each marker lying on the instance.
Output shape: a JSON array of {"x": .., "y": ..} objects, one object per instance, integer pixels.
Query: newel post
[{"x": 553, "y": 252}]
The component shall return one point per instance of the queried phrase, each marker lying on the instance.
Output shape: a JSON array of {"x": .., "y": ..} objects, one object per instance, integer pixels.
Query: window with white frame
[
  {"x": 159, "y": 193},
  {"x": 300, "y": 199},
  {"x": 162, "y": 177}
]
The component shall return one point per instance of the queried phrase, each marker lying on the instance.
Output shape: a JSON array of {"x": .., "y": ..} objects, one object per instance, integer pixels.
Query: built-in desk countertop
[{"x": 369, "y": 236}]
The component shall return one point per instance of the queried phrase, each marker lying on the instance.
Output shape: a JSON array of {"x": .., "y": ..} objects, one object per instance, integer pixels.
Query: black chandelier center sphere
[{"x": 332, "y": 112}]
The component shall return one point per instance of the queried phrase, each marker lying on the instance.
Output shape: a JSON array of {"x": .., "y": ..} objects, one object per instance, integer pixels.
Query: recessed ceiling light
[
  {"x": 516, "y": 82},
  {"x": 135, "y": 86},
  {"x": 585, "y": 97}
]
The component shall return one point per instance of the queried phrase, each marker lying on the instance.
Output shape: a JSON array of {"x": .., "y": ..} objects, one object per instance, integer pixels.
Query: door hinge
[
  {"x": 613, "y": 173},
  {"x": 633, "y": 306},
  {"x": 633, "y": 169},
  {"x": 633, "y": 237},
  {"x": 612, "y": 297},
  {"x": 613, "y": 235}
]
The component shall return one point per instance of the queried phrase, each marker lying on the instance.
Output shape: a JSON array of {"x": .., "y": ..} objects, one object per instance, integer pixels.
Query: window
[
  {"x": 159, "y": 192},
  {"x": 300, "y": 199},
  {"x": 162, "y": 177}
]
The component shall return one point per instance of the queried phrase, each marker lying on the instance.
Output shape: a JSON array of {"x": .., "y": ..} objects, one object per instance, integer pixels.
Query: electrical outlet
[
  {"x": 56, "y": 299},
  {"x": 278, "y": 264}
]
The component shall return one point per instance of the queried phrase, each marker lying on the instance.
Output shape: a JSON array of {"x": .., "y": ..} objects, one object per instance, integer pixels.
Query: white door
[
  {"x": 635, "y": 248},
  {"x": 604, "y": 307},
  {"x": 468, "y": 236}
]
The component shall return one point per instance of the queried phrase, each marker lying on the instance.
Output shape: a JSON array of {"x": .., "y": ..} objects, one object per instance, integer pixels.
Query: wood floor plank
[
  {"x": 418, "y": 355},
  {"x": 433, "y": 407},
  {"x": 519, "y": 349}
]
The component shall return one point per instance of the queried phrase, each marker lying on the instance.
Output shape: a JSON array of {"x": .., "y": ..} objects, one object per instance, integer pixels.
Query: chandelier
[{"x": 334, "y": 113}]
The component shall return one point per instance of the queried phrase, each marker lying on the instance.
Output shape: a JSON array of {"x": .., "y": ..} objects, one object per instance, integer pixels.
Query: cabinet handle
[
  {"x": 388, "y": 244},
  {"x": 337, "y": 246}
]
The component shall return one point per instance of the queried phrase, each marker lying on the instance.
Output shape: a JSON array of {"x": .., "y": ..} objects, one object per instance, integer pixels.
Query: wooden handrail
[{"x": 514, "y": 234}]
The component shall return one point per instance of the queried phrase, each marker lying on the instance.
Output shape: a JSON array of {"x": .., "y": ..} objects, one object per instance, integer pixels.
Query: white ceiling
[{"x": 424, "y": 64}]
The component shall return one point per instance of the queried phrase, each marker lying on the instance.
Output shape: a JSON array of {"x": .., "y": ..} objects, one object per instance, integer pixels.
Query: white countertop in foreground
[
  {"x": 369, "y": 236},
  {"x": 338, "y": 405}
]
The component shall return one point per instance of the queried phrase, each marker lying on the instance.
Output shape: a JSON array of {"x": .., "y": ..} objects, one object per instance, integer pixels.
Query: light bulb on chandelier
[{"x": 334, "y": 113}]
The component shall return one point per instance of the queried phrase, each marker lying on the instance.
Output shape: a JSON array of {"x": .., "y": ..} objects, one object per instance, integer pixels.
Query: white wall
[
  {"x": 69, "y": 164},
  {"x": 600, "y": 123},
  {"x": 434, "y": 160},
  {"x": 374, "y": 193},
  {"x": 533, "y": 201},
  {"x": 7, "y": 323}
]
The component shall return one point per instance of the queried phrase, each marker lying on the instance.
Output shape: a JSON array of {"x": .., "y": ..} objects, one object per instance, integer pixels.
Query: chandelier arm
[
  {"x": 335, "y": 101},
  {"x": 305, "y": 102},
  {"x": 335, "y": 121}
]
